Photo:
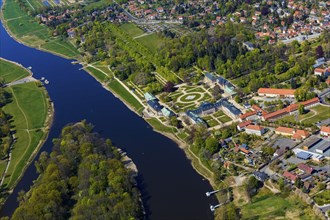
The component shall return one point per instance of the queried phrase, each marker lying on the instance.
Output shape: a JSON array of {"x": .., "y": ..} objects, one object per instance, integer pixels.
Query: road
[{"x": 21, "y": 81}]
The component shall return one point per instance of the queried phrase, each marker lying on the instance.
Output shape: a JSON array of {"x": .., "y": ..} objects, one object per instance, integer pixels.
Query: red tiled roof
[
  {"x": 325, "y": 129},
  {"x": 244, "y": 150},
  {"x": 290, "y": 176},
  {"x": 285, "y": 130},
  {"x": 244, "y": 124},
  {"x": 297, "y": 136},
  {"x": 254, "y": 127},
  {"x": 248, "y": 114},
  {"x": 275, "y": 114},
  {"x": 311, "y": 101},
  {"x": 305, "y": 168},
  {"x": 302, "y": 133},
  {"x": 276, "y": 91}
]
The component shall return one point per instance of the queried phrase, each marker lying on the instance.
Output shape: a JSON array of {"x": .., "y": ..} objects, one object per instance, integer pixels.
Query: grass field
[
  {"x": 116, "y": 87},
  {"x": 10, "y": 72},
  {"x": 96, "y": 73},
  {"x": 29, "y": 110},
  {"x": 266, "y": 205},
  {"x": 28, "y": 30},
  {"x": 159, "y": 126},
  {"x": 131, "y": 29},
  {"x": 152, "y": 42},
  {"x": 322, "y": 113},
  {"x": 323, "y": 197}
]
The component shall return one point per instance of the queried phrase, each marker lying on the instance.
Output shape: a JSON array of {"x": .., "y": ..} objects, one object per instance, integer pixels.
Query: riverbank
[
  {"x": 197, "y": 164},
  {"x": 31, "y": 124}
]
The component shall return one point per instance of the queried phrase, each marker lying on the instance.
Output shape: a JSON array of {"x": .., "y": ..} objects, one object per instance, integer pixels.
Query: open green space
[
  {"x": 322, "y": 113},
  {"x": 29, "y": 111},
  {"x": 266, "y": 205},
  {"x": 152, "y": 41},
  {"x": 212, "y": 123},
  {"x": 96, "y": 73},
  {"x": 131, "y": 29},
  {"x": 117, "y": 88},
  {"x": 28, "y": 30},
  {"x": 322, "y": 198},
  {"x": 224, "y": 119},
  {"x": 10, "y": 72},
  {"x": 191, "y": 97},
  {"x": 159, "y": 126}
]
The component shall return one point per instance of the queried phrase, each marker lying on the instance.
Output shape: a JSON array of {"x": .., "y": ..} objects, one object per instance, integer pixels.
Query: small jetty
[
  {"x": 30, "y": 67},
  {"x": 213, "y": 207},
  {"x": 212, "y": 192},
  {"x": 74, "y": 62}
]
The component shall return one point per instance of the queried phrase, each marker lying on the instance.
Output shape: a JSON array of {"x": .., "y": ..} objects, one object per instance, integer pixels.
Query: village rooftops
[
  {"x": 280, "y": 92},
  {"x": 325, "y": 130},
  {"x": 290, "y": 176},
  {"x": 254, "y": 127},
  {"x": 305, "y": 168}
]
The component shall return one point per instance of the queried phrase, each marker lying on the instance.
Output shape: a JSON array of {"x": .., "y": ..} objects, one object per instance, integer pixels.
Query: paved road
[{"x": 21, "y": 81}]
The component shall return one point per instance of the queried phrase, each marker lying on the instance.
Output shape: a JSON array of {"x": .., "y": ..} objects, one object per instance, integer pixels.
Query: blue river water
[{"x": 171, "y": 188}]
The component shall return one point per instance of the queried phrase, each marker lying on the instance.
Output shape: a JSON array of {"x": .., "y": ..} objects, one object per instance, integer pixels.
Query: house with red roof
[
  {"x": 243, "y": 124},
  {"x": 305, "y": 168},
  {"x": 255, "y": 129},
  {"x": 270, "y": 92},
  {"x": 325, "y": 131},
  {"x": 295, "y": 134},
  {"x": 290, "y": 176}
]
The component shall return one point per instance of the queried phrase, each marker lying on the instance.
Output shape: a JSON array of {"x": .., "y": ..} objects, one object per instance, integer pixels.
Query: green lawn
[
  {"x": 152, "y": 41},
  {"x": 159, "y": 126},
  {"x": 323, "y": 112},
  {"x": 323, "y": 197},
  {"x": 10, "y": 72},
  {"x": 96, "y": 73},
  {"x": 117, "y": 88},
  {"x": 131, "y": 29},
  {"x": 28, "y": 30},
  {"x": 29, "y": 110},
  {"x": 266, "y": 205},
  {"x": 224, "y": 119}
]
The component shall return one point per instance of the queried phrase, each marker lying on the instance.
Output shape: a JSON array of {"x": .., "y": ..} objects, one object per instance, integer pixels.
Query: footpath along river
[{"x": 171, "y": 188}]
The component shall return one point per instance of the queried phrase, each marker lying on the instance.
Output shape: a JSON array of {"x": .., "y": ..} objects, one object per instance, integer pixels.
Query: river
[{"x": 171, "y": 188}]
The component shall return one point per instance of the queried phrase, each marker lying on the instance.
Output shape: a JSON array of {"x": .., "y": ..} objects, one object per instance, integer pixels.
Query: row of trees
[{"x": 83, "y": 178}]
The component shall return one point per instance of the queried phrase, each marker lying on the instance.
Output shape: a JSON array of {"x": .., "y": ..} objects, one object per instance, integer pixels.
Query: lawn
[
  {"x": 159, "y": 126},
  {"x": 117, "y": 88},
  {"x": 29, "y": 110},
  {"x": 131, "y": 29},
  {"x": 96, "y": 73},
  {"x": 10, "y": 72},
  {"x": 28, "y": 30},
  {"x": 266, "y": 205},
  {"x": 323, "y": 112},
  {"x": 224, "y": 119},
  {"x": 152, "y": 42},
  {"x": 323, "y": 197}
]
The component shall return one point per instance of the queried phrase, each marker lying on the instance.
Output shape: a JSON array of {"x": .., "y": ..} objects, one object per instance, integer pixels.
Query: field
[
  {"x": 96, "y": 73},
  {"x": 152, "y": 42},
  {"x": 28, "y": 110},
  {"x": 131, "y": 29},
  {"x": 28, "y": 30},
  {"x": 117, "y": 88},
  {"x": 10, "y": 72},
  {"x": 159, "y": 126},
  {"x": 323, "y": 197},
  {"x": 266, "y": 205},
  {"x": 315, "y": 114}
]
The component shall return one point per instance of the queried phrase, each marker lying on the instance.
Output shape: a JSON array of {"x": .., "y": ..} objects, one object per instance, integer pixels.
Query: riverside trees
[{"x": 83, "y": 177}]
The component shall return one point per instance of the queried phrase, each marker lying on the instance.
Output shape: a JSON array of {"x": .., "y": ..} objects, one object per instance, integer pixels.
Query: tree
[
  {"x": 301, "y": 109},
  {"x": 174, "y": 121},
  {"x": 238, "y": 99},
  {"x": 319, "y": 52},
  {"x": 212, "y": 145}
]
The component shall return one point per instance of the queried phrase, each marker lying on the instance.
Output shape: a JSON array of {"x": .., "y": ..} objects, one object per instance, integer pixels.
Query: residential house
[
  {"x": 305, "y": 168},
  {"x": 242, "y": 125},
  {"x": 324, "y": 72},
  {"x": 325, "y": 131},
  {"x": 254, "y": 129},
  {"x": 270, "y": 92},
  {"x": 290, "y": 176}
]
